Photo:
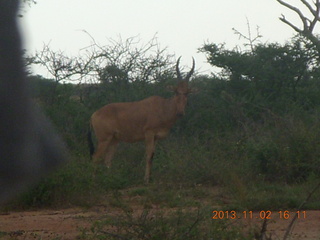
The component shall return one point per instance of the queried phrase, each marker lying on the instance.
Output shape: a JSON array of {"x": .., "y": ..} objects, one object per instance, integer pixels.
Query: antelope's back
[{"x": 128, "y": 121}]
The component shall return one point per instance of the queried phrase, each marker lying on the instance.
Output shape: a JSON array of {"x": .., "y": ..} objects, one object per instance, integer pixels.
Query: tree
[
  {"x": 308, "y": 24},
  {"x": 61, "y": 67},
  {"x": 123, "y": 60},
  {"x": 129, "y": 60},
  {"x": 124, "y": 68},
  {"x": 269, "y": 70},
  {"x": 109, "y": 70}
]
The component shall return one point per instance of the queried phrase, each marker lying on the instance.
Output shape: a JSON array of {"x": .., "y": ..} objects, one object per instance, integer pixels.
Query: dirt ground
[
  {"x": 307, "y": 227},
  {"x": 67, "y": 224},
  {"x": 46, "y": 224}
]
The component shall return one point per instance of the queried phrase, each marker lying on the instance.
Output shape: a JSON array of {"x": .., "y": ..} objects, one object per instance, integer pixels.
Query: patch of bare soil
[
  {"x": 67, "y": 224},
  {"x": 306, "y": 227},
  {"x": 47, "y": 224}
]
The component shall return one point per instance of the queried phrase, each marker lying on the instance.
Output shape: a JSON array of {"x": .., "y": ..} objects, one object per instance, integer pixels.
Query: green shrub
[{"x": 161, "y": 224}]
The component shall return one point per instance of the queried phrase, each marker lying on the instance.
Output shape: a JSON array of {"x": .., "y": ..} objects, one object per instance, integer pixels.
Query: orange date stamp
[{"x": 216, "y": 214}]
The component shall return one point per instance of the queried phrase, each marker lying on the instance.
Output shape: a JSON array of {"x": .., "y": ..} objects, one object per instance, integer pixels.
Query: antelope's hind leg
[
  {"x": 111, "y": 149},
  {"x": 102, "y": 149}
]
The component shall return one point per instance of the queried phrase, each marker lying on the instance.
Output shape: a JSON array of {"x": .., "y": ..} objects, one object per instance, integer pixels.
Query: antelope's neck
[{"x": 171, "y": 109}]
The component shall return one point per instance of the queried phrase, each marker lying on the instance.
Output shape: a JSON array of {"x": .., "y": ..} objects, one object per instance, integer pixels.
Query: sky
[{"x": 181, "y": 26}]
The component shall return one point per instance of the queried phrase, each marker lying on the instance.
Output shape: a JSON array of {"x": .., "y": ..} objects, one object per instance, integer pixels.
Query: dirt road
[{"x": 67, "y": 224}]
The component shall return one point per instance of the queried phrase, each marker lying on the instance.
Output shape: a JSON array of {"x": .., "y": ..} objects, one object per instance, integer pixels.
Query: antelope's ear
[
  {"x": 193, "y": 90},
  {"x": 171, "y": 88}
]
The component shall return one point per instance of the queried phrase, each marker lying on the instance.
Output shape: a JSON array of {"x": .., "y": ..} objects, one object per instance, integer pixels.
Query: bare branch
[
  {"x": 308, "y": 25},
  {"x": 309, "y": 7},
  {"x": 316, "y": 15},
  {"x": 62, "y": 67},
  {"x": 283, "y": 19},
  {"x": 132, "y": 60},
  {"x": 251, "y": 40},
  {"x": 302, "y": 17}
]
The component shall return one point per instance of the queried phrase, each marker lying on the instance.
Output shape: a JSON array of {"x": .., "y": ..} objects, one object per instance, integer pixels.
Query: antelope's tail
[{"x": 90, "y": 142}]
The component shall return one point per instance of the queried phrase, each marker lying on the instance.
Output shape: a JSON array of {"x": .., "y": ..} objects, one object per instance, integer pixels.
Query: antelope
[
  {"x": 147, "y": 120},
  {"x": 29, "y": 147}
]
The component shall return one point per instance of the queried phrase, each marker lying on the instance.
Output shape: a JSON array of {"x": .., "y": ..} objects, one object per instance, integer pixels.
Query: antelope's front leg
[{"x": 150, "y": 147}]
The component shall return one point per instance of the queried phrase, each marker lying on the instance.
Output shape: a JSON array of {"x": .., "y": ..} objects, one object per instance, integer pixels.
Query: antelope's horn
[
  {"x": 177, "y": 69},
  {"x": 191, "y": 71}
]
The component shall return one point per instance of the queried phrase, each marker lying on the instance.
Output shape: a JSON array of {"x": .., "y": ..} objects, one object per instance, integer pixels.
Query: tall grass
[{"x": 232, "y": 164}]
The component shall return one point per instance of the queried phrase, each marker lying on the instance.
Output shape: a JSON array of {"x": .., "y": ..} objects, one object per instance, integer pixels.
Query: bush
[
  {"x": 149, "y": 224},
  {"x": 288, "y": 152},
  {"x": 77, "y": 183}
]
